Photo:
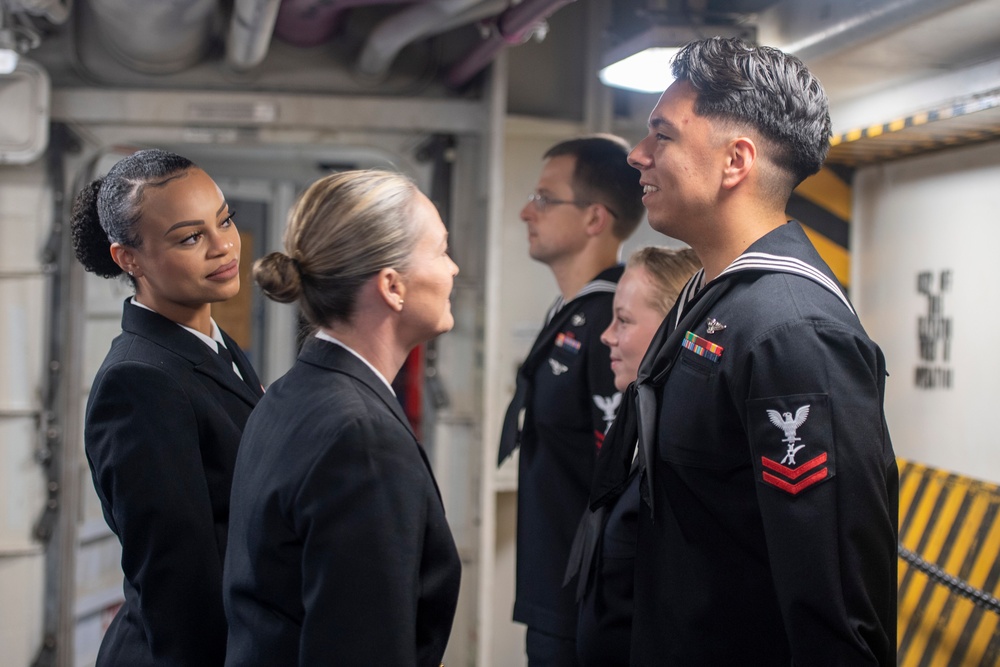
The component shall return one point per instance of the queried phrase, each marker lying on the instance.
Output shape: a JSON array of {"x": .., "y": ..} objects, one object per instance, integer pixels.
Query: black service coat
[
  {"x": 164, "y": 420},
  {"x": 769, "y": 534},
  {"x": 339, "y": 550}
]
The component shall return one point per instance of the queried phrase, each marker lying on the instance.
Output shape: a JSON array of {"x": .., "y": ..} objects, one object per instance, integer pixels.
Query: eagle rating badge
[{"x": 791, "y": 440}]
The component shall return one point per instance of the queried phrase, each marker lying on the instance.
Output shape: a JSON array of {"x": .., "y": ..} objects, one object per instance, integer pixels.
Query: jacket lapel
[
  {"x": 338, "y": 359},
  {"x": 169, "y": 335}
]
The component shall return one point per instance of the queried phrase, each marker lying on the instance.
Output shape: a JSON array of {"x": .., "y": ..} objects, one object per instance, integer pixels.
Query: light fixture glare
[
  {"x": 8, "y": 61},
  {"x": 647, "y": 71},
  {"x": 642, "y": 62}
]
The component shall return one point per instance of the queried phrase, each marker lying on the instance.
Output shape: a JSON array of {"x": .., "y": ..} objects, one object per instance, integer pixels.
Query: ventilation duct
[
  {"x": 155, "y": 37},
  {"x": 390, "y": 36},
  {"x": 250, "y": 33},
  {"x": 512, "y": 28},
  {"x": 311, "y": 22}
]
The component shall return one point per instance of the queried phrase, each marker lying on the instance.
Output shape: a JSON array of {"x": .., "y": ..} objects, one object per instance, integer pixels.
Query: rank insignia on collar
[
  {"x": 578, "y": 320},
  {"x": 714, "y": 326},
  {"x": 798, "y": 463}
]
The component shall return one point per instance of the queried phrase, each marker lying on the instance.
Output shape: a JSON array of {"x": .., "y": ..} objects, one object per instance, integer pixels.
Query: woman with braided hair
[{"x": 167, "y": 408}]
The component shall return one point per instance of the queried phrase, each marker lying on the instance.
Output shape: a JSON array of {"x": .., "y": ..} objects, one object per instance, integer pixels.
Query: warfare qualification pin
[{"x": 715, "y": 325}]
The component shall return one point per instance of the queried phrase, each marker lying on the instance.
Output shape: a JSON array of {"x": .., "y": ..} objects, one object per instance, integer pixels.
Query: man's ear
[
  {"x": 125, "y": 258},
  {"x": 391, "y": 287},
  {"x": 599, "y": 219},
  {"x": 741, "y": 156}
]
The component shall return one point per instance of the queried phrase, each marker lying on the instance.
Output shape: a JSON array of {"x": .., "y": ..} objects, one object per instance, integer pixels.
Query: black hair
[
  {"x": 603, "y": 175},
  {"x": 763, "y": 88},
  {"x": 108, "y": 209}
]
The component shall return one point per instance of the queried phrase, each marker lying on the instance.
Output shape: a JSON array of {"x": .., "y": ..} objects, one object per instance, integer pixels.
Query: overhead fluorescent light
[
  {"x": 647, "y": 71},
  {"x": 8, "y": 61},
  {"x": 642, "y": 63}
]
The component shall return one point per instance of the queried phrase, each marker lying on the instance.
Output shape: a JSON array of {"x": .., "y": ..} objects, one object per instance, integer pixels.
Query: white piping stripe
[
  {"x": 759, "y": 260},
  {"x": 593, "y": 287},
  {"x": 693, "y": 286}
]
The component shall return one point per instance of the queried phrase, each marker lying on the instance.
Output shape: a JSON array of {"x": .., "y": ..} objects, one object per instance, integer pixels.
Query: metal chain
[{"x": 956, "y": 585}]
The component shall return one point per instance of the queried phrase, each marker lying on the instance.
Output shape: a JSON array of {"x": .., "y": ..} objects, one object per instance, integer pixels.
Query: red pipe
[
  {"x": 311, "y": 22},
  {"x": 510, "y": 29}
]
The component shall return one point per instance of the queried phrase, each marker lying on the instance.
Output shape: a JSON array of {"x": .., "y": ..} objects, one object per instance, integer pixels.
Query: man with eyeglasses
[{"x": 587, "y": 202}]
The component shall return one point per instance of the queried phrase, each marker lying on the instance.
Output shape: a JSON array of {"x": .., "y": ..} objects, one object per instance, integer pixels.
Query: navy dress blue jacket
[
  {"x": 164, "y": 420},
  {"x": 339, "y": 551}
]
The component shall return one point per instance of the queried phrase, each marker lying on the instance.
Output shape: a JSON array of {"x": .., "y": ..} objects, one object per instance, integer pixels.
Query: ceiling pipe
[
  {"x": 487, "y": 9},
  {"x": 155, "y": 37},
  {"x": 511, "y": 28},
  {"x": 310, "y": 22},
  {"x": 250, "y": 32},
  {"x": 813, "y": 31},
  {"x": 394, "y": 33},
  {"x": 56, "y": 11}
]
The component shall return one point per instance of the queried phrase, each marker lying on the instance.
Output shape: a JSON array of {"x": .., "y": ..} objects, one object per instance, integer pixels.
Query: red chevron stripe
[
  {"x": 794, "y": 489},
  {"x": 794, "y": 473}
]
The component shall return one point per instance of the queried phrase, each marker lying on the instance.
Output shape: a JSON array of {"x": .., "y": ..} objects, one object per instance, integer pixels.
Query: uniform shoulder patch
[
  {"x": 608, "y": 405},
  {"x": 791, "y": 439}
]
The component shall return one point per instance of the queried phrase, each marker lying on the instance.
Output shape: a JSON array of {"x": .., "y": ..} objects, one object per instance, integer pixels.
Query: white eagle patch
[
  {"x": 608, "y": 405},
  {"x": 789, "y": 424}
]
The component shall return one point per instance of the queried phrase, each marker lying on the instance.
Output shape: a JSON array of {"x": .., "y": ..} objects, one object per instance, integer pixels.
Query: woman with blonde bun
[{"x": 339, "y": 551}]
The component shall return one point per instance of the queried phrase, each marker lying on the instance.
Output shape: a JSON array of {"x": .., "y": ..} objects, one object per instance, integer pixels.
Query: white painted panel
[
  {"x": 22, "y": 314},
  {"x": 25, "y": 218},
  {"x": 105, "y": 296},
  {"x": 21, "y": 579},
  {"x": 934, "y": 214},
  {"x": 23, "y": 482},
  {"x": 508, "y": 641},
  {"x": 98, "y": 575},
  {"x": 100, "y": 331}
]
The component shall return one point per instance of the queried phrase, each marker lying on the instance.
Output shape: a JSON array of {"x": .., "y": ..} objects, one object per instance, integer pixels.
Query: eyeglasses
[{"x": 543, "y": 202}]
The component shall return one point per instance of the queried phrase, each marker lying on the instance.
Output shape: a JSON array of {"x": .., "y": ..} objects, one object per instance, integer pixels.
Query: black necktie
[
  {"x": 226, "y": 355},
  {"x": 510, "y": 436}
]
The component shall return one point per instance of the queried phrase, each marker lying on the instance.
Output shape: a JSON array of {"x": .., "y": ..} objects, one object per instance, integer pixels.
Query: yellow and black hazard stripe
[
  {"x": 822, "y": 203},
  {"x": 953, "y": 522},
  {"x": 967, "y": 120}
]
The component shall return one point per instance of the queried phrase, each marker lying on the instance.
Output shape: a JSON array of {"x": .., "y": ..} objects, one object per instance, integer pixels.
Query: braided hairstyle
[{"x": 108, "y": 209}]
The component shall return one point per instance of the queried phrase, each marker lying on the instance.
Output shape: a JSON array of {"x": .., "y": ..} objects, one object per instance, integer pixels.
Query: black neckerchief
[
  {"x": 635, "y": 421},
  {"x": 558, "y": 315}
]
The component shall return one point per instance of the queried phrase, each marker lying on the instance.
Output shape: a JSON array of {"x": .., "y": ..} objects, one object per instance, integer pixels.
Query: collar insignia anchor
[{"x": 715, "y": 325}]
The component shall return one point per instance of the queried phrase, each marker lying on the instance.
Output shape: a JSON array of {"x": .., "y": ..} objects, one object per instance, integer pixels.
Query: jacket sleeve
[
  {"x": 826, "y": 490},
  {"x": 602, "y": 395},
  {"x": 143, "y": 445},
  {"x": 361, "y": 514}
]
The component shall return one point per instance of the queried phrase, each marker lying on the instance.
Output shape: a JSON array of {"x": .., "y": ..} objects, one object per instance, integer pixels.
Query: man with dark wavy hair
[{"x": 768, "y": 531}]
